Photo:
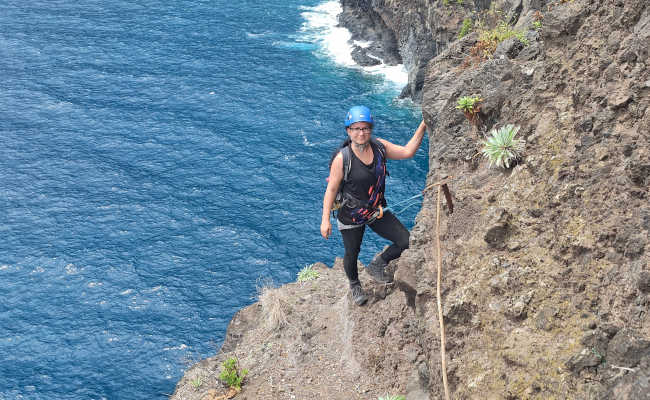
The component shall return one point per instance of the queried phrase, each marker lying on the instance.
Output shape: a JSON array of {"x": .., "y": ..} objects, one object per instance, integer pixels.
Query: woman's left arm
[{"x": 397, "y": 152}]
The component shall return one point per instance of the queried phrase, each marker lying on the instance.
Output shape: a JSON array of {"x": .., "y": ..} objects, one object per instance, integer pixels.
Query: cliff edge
[{"x": 546, "y": 286}]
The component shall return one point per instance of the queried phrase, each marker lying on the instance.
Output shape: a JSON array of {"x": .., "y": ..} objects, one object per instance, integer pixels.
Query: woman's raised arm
[{"x": 397, "y": 152}]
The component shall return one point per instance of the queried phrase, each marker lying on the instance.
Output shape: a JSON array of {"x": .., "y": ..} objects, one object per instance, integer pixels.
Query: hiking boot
[
  {"x": 357, "y": 294},
  {"x": 376, "y": 269}
]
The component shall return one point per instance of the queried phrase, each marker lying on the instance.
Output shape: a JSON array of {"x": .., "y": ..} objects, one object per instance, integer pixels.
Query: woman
[{"x": 363, "y": 196}]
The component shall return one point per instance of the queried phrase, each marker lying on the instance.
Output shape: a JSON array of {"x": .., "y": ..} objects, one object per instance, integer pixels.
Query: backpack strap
[
  {"x": 379, "y": 146},
  {"x": 340, "y": 200},
  {"x": 347, "y": 162}
]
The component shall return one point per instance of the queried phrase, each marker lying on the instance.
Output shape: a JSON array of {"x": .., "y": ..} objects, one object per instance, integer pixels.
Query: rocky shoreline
[{"x": 547, "y": 277}]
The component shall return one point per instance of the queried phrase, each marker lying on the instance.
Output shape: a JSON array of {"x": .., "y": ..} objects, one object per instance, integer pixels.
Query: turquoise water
[{"x": 159, "y": 159}]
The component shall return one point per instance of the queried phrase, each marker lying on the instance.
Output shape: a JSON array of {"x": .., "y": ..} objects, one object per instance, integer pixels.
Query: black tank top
[{"x": 361, "y": 178}]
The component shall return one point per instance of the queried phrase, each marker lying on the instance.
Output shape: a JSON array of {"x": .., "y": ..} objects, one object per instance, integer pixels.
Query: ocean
[{"x": 160, "y": 160}]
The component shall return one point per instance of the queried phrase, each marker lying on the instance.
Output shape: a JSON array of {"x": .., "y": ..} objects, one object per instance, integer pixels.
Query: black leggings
[{"x": 388, "y": 227}]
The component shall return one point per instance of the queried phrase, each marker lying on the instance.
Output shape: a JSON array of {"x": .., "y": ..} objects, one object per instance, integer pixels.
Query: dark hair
[{"x": 346, "y": 142}]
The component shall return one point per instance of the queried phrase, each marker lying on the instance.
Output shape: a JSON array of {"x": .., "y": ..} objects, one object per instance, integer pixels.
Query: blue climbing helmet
[{"x": 358, "y": 114}]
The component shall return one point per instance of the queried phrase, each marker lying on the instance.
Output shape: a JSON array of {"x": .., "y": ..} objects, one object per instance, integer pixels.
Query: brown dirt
[{"x": 329, "y": 348}]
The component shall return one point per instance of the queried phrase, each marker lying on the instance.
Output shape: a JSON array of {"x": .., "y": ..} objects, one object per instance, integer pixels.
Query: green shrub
[
  {"x": 466, "y": 28},
  {"x": 307, "y": 274},
  {"x": 387, "y": 397},
  {"x": 502, "y": 32},
  {"x": 196, "y": 382},
  {"x": 489, "y": 39},
  {"x": 230, "y": 374},
  {"x": 468, "y": 104},
  {"x": 537, "y": 25},
  {"x": 502, "y": 148}
]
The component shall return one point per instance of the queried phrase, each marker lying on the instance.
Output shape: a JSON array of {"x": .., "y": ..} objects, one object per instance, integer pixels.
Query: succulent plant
[{"x": 501, "y": 148}]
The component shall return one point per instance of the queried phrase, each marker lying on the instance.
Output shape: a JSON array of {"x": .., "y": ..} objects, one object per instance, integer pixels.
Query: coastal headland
[{"x": 546, "y": 286}]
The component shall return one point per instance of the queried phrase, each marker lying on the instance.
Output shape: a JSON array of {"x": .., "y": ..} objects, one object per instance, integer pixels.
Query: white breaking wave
[
  {"x": 320, "y": 28},
  {"x": 363, "y": 44}
]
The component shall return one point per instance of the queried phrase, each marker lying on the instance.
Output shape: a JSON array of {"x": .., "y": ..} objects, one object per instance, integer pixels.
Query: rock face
[
  {"x": 367, "y": 25},
  {"x": 546, "y": 286},
  {"x": 401, "y": 32},
  {"x": 414, "y": 32},
  {"x": 552, "y": 254}
]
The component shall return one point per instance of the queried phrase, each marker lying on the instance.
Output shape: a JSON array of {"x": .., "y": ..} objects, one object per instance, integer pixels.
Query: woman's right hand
[{"x": 326, "y": 228}]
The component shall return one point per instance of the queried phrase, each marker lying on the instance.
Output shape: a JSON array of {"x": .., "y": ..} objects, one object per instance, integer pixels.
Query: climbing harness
[{"x": 412, "y": 201}]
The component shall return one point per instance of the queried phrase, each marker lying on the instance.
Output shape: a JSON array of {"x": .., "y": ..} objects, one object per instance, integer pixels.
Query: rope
[
  {"x": 409, "y": 199},
  {"x": 378, "y": 214},
  {"x": 439, "y": 184},
  {"x": 381, "y": 211},
  {"x": 406, "y": 208},
  {"x": 439, "y": 297},
  {"x": 442, "y": 185}
]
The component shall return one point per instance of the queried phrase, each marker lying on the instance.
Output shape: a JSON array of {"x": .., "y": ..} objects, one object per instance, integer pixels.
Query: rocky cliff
[
  {"x": 546, "y": 287},
  {"x": 413, "y": 32}
]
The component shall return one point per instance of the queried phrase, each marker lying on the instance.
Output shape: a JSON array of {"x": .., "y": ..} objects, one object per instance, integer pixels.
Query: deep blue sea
[{"x": 158, "y": 159}]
